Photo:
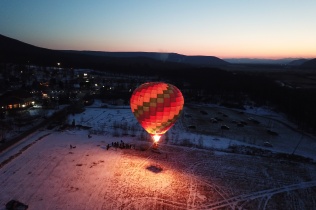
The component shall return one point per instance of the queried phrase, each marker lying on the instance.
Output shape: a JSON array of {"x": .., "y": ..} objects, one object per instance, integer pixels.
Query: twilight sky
[{"x": 222, "y": 28}]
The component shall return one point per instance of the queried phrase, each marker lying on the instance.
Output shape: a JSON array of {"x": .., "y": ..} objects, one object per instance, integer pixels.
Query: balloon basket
[
  {"x": 155, "y": 145},
  {"x": 155, "y": 148}
]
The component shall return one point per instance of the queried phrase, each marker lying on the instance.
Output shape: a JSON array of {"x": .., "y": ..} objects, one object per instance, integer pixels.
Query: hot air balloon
[{"x": 156, "y": 106}]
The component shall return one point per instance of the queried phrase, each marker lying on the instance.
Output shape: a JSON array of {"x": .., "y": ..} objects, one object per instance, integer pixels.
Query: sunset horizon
[
  {"x": 225, "y": 29},
  {"x": 244, "y": 56}
]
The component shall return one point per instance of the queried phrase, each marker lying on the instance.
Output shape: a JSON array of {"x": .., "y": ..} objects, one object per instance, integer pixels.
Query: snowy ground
[
  {"x": 254, "y": 133},
  {"x": 43, "y": 172}
]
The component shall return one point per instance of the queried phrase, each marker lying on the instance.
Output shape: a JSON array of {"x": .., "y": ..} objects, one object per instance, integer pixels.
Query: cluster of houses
[
  {"x": 48, "y": 87},
  {"x": 16, "y": 99}
]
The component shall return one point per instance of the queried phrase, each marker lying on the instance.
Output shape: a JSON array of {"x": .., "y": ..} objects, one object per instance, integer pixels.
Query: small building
[{"x": 16, "y": 99}]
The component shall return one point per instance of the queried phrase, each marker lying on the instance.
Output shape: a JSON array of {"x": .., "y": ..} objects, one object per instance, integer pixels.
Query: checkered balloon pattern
[{"x": 156, "y": 106}]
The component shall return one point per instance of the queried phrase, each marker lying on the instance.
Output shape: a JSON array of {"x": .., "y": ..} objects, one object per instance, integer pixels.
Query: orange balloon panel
[{"x": 156, "y": 106}]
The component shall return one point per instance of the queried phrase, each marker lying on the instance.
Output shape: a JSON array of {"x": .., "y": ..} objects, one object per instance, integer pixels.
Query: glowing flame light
[{"x": 156, "y": 138}]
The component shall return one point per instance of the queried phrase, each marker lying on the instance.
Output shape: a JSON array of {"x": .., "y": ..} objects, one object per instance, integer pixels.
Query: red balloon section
[{"x": 156, "y": 106}]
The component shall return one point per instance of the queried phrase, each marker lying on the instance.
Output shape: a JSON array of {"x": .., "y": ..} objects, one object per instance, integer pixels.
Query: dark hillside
[
  {"x": 14, "y": 51},
  {"x": 201, "y": 61},
  {"x": 310, "y": 64},
  {"x": 297, "y": 62}
]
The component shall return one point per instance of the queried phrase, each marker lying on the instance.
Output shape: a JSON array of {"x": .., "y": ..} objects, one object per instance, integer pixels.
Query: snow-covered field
[
  {"x": 254, "y": 131},
  {"x": 43, "y": 171}
]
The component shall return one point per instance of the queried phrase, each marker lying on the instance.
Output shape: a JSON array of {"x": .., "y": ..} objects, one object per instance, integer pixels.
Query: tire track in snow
[
  {"x": 22, "y": 150},
  {"x": 16, "y": 168},
  {"x": 194, "y": 184},
  {"x": 266, "y": 202},
  {"x": 99, "y": 191},
  {"x": 155, "y": 199},
  {"x": 170, "y": 203},
  {"x": 269, "y": 193},
  {"x": 131, "y": 173},
  {"x": 45, "y": 173},
  {"x": 94, "y": 118}
]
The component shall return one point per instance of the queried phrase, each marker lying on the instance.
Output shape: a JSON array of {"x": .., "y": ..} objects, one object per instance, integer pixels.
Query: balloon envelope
[{"x": 156, "y": 106}]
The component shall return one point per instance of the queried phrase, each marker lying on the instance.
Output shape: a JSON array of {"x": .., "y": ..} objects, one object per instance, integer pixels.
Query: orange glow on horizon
[{"x": 224, "y": 52}]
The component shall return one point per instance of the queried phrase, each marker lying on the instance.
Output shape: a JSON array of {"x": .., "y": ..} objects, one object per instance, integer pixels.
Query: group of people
[
  {"x": 71, "y": 146},
  {"x": 120, "y": 145}
]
